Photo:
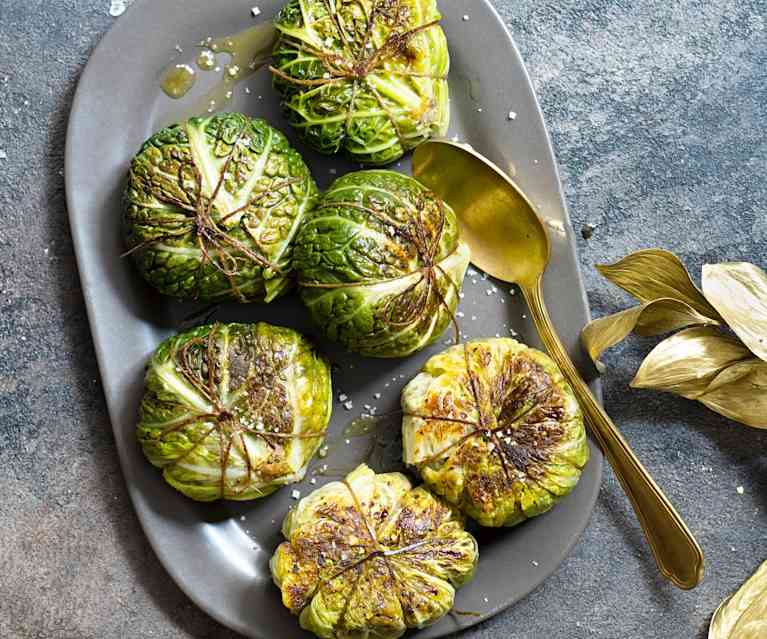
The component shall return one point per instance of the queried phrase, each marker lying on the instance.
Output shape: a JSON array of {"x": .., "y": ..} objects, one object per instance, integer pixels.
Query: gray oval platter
[{"x": 219, "y": 553}]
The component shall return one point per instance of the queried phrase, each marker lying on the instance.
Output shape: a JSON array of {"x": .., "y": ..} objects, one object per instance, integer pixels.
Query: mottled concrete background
[{"x": 657, "y": 110}]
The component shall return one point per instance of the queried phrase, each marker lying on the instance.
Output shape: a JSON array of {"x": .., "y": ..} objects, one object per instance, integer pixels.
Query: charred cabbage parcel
[
  {"x": 368, "y": 77},
  {"x": 493, "y": 427},
  {"x": 380, "y": 264},
  {"x": 234, "y": 411},
  {"x": 212, "y": 206},
  {"x": 371, "y": 557}
]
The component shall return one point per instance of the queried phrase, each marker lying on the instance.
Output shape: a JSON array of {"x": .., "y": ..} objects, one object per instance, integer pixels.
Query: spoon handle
[{"x": 677, "y": 553}]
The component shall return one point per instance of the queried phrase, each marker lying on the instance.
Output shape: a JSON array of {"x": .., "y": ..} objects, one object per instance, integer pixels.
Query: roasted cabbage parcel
[
  {"x": 371, "y": 557},
  {"x": 493, "y": 427},
  {"x": 380, "y": 264},
  {"x": 212, "y": 206},
  {"x": 368, "y": 77},
  {"x": 234, "y": 411}
]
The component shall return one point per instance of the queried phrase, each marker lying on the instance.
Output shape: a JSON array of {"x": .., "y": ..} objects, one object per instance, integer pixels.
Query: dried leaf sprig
[
  {"x": 743, "y": 615},
  {"x": 701, "y": 362}
]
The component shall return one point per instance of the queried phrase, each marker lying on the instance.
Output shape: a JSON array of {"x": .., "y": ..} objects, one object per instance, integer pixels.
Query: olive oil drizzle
[
  {"x": 178, "y": 80},
  {"x": 249, "y": 50}
]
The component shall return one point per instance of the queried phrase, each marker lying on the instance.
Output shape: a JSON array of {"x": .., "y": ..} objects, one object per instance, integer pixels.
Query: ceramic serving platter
[{"x": 218, "y": 553}]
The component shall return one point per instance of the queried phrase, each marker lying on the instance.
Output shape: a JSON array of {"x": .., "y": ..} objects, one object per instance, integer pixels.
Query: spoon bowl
[
  {"x": 517, "y": 250},
  {"x": 508, "y": 241}
]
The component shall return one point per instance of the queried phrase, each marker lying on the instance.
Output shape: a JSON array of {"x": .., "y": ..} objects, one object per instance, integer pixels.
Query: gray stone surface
[{"x": 657, "y": 110}]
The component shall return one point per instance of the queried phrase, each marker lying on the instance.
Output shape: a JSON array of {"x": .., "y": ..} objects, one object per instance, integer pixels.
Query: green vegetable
[
  {"x": 372, "y": 557},
  {"x": 212, "y": 207},
  {"x": 367, "y": 77},
  {"x": 380, "y": 264},
  {"x": 234, "y": 411},
  {"x": 493, "y": 427}
]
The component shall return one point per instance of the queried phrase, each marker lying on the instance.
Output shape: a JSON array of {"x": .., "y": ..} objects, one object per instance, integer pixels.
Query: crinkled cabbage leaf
[
  {"x": 368, "y": 77},
  {"x": 371, "y": 557},
  {"x": 234, "y": 411},
  {"x": 380, "y": 264},
  {"x": 212, "y": 207},
  {"x": 493, "y": 427}
]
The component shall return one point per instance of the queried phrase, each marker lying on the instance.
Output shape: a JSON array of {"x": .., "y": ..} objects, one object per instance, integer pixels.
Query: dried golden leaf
[
  {"x": 652, "y": 274},
  {"x": 688, "y": 362},
  {"x": 716, "y": 628},
  {"x": 651, "y": 318},
  {"x": 744, "y": 614},
  {"x": 753, "y": 623},
  {"x": 739, "y": 292},
  {"x": 740, "y": 393}
]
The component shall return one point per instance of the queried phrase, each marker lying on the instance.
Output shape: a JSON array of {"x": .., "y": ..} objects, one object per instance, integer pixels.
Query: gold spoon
[{"x": 509, "y": 242}]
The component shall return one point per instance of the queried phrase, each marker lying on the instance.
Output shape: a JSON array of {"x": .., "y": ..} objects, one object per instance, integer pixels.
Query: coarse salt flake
[
  {"x": 118, "y": 7},
  {"x": 296, "y": 494}
]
